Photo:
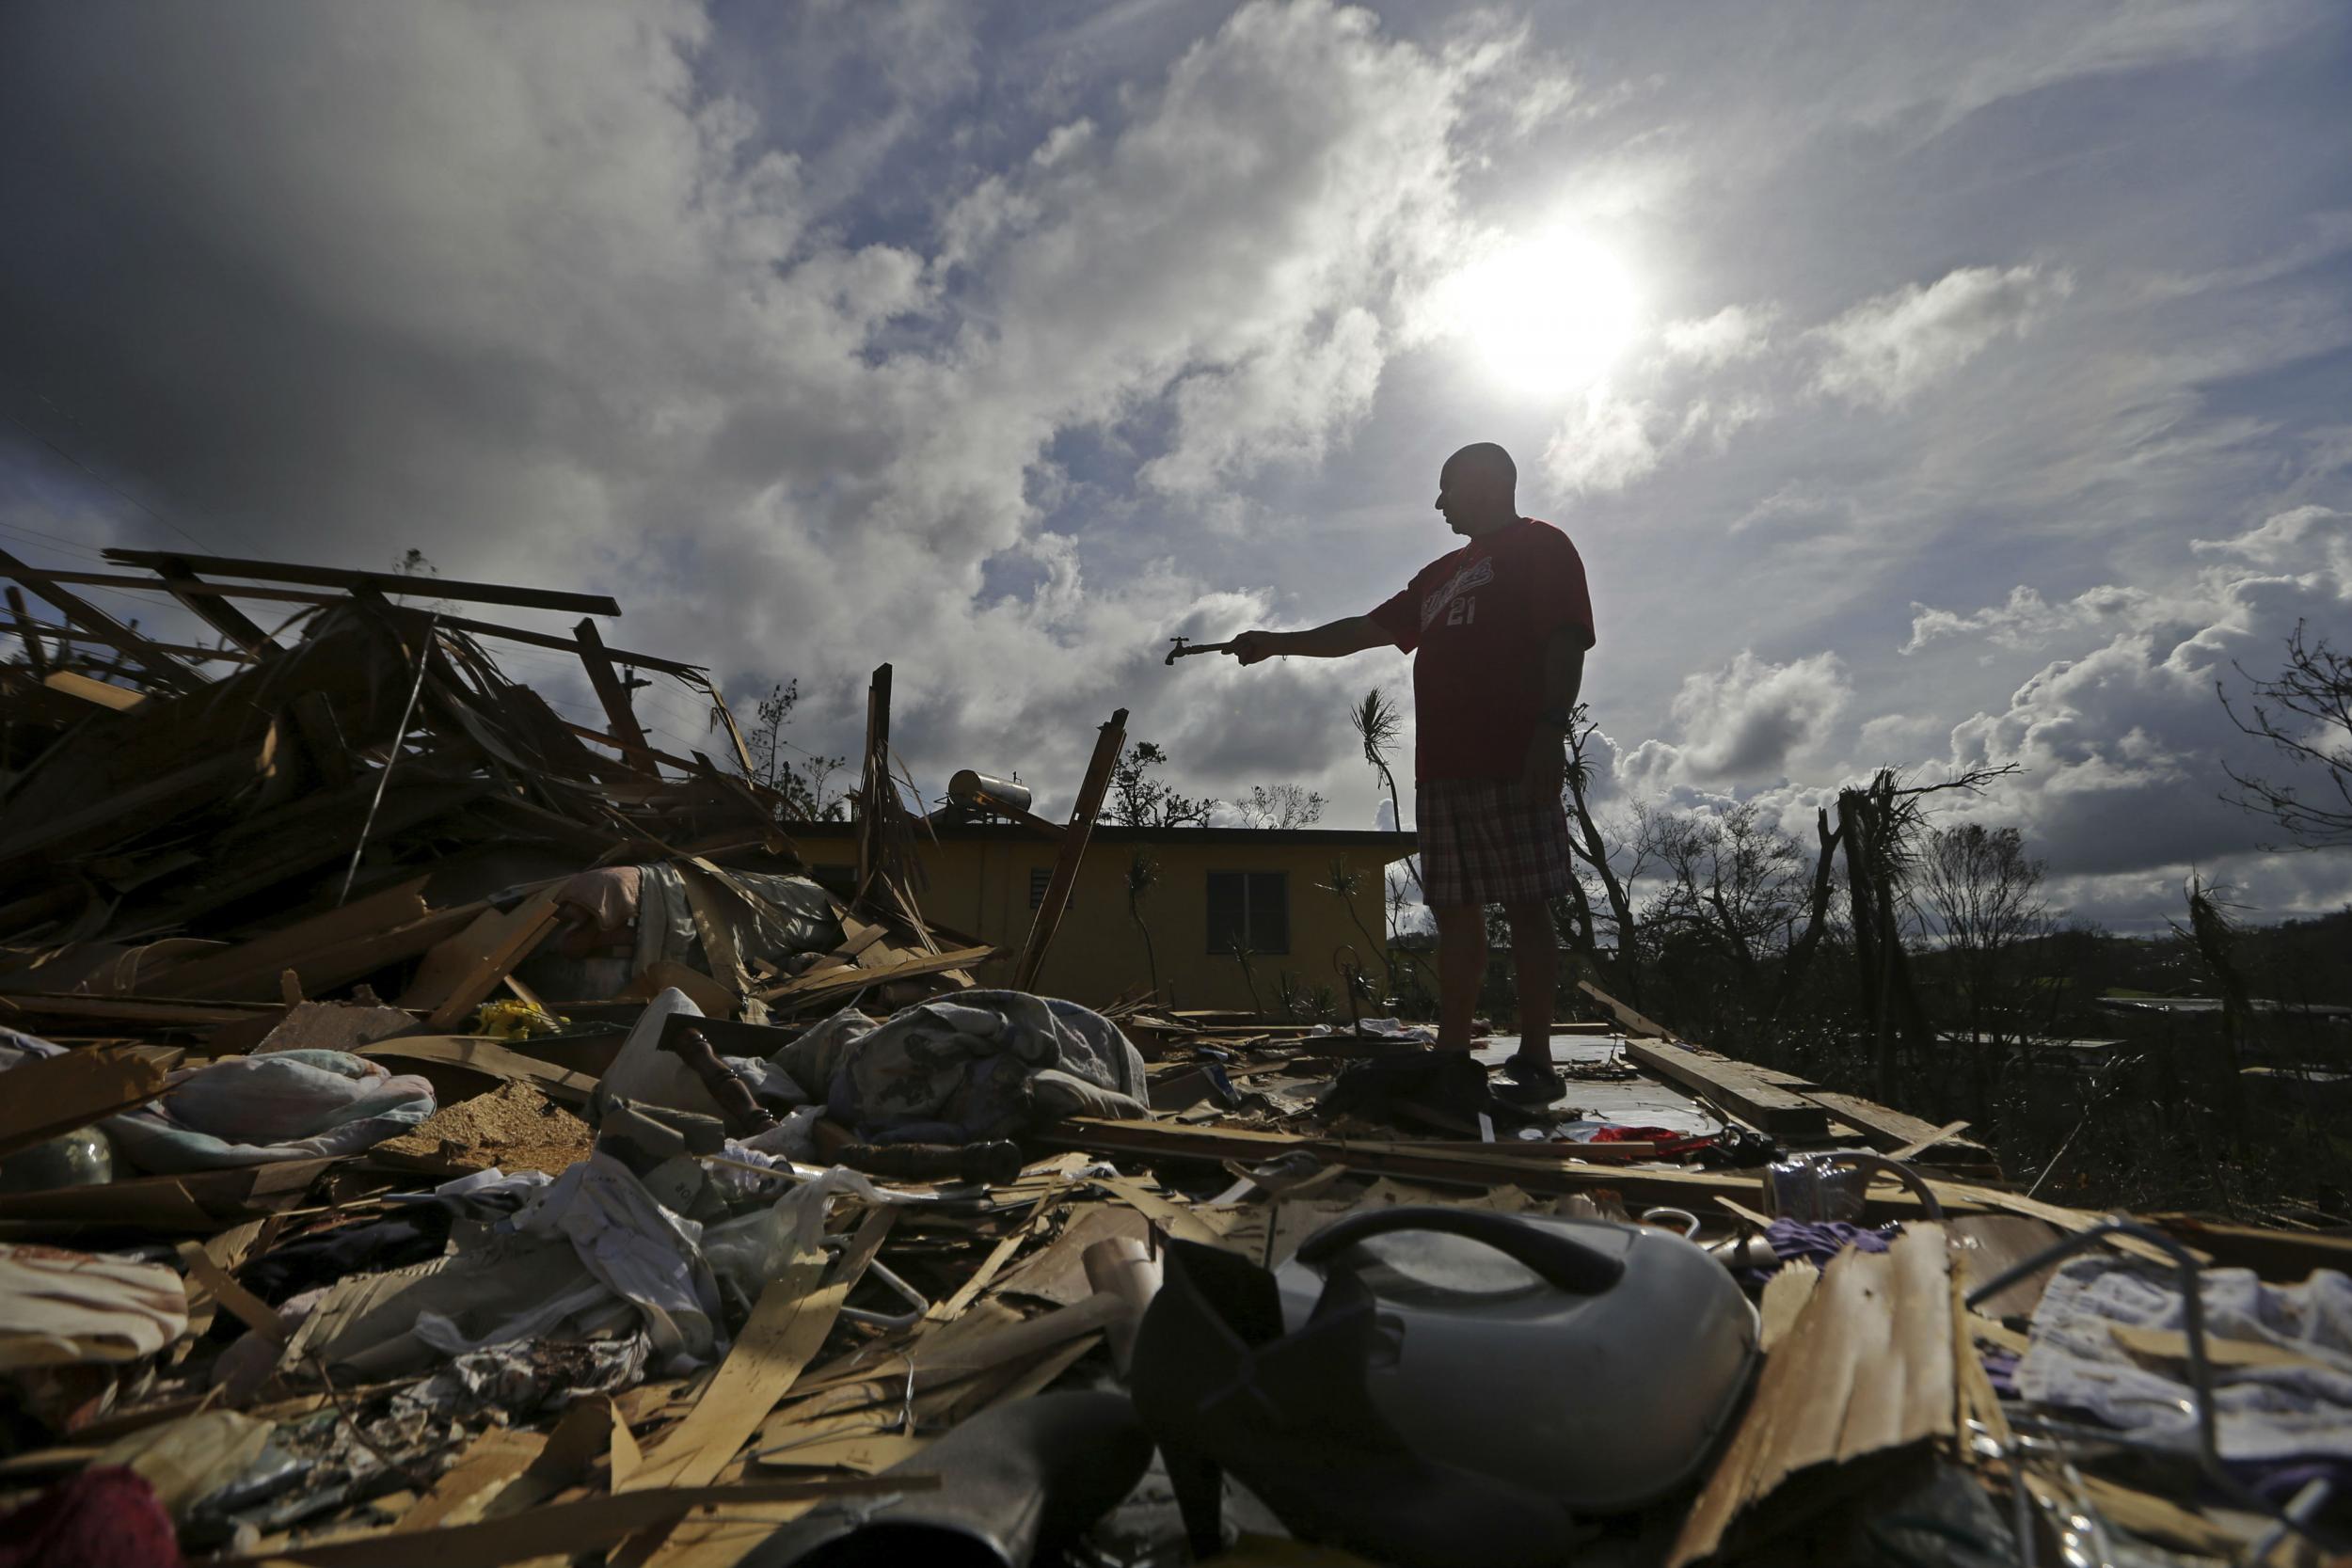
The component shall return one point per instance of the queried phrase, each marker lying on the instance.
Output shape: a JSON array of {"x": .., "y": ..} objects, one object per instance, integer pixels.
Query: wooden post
[
  {"x": 614, "y": 698},
  {"x": 214, "y": 611},
  {"x": 36, "y": 656},
  {"x": 874, "y": 784},
  {"x": 1074, "y": 849}
]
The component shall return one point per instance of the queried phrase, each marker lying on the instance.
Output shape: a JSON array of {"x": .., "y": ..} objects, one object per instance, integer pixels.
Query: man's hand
[
  {"x": 1252, "y": 646},
  {"x": 1546, "y": 768}
]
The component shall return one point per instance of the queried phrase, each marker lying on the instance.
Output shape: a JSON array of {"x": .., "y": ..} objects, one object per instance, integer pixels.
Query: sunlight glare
[{"x": 1547, "y": 315}]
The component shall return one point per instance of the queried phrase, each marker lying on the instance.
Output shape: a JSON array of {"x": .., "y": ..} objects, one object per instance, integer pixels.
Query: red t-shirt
[{"x": 1476, "y": 622}]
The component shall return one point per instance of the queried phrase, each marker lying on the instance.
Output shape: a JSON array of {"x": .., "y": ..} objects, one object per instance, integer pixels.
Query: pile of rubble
[{"x": 439, "y": 1131}]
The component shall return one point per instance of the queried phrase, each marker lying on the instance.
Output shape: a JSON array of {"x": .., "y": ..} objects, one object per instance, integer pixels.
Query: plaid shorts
[{"x": 1488, "y": 841}]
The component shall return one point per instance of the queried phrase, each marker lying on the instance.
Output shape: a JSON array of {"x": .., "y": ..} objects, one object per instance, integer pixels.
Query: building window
[
  {"x": 1041, "y": 877},
  {"x": 1249, "y": 908}
]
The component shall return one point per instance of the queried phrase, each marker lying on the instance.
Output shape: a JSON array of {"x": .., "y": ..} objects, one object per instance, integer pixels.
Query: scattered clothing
[
  {"x": 258, "y": 1110},
  {"x": 58, "y": 1307},
  {"x": 2292, "y": 1404},
  {"x": 967, "y": 1067},
  {"x": 106, "y": 1517}
]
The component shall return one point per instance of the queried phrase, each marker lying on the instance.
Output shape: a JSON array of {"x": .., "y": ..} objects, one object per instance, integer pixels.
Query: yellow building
[{"x": 1271, "y": 890}]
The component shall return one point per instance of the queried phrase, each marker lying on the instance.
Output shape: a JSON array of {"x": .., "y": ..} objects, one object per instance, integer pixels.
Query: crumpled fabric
[
  {"x": 2264, "y": 1413},
  {"x": 105, "y": 1517},
  {"x": 976, "y": 1065},
  {"x": 258, "y": 1110},
  {"x": 523, "y": 1377},
  {"x": 636, "y": 1248}
]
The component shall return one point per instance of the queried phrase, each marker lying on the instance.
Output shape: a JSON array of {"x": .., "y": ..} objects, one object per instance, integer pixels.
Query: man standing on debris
[{"x": 1497, "y": 630}]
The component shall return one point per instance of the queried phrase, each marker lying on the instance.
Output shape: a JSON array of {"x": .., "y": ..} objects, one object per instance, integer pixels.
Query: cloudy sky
[{"x": 1924, "y": 384}]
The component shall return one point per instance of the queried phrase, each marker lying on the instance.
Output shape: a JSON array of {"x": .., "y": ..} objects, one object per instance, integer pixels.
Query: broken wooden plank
[
  {"x": 612, "y": 696},
  {"x": 1624, "y": 1014},
  {"x": 105, "y": 694},
  {"x": 158, "y": 664},
  {"x": 179, "y": 578},
  {"x": 826, "y": 984},
  {"x": 1866, "y": 1366},
  {"x": 49, "y": 1095},
  {"x": 1047, "y": 920},
  {"x": 1745, "y": 1091},
  {"x": 489, "y": 1058},
  {"x": 479, "y": 958},
  {"x": 383, "y": 583},
  {"x": 1888, "y": 1129},
  {"x": 286, "y": 945}
]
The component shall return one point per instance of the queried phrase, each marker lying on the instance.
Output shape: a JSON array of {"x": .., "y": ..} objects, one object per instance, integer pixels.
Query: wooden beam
[
  {"x": 121, "y": 699},
  {"x": 184, "y": 650},
  {"x": 91, "y": 619},
  {"x": 383, "y": 583},
  {"x": 873, "y": 780},
  {"x": 316, "y": 595},
  {"x": 613, "y": 697},
  {"x": 1624, "y": 1014},
  {"x": 36, "y": 656},
  {"x": 216, "y": 611},
  {"x": 1074, "y": 848},
  {"x": 1745, "y": 1091}
]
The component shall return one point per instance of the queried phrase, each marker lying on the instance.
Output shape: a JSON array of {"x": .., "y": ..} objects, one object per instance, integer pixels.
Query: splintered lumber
[
  {"x": 49, "y": 1095},
  {"x": 1624, "y": 1014},
  {"x": 211, "y": 973},
  {"x": 1074, "y": 848},
  {"x": 1867, "y": 1368},
  {"x": 489, "y": 1058},
  {"x": 459, "y": 973},
  {"x": 121, "y": 699},
  {"x": 1755, "y": 1095},
  {"x": 383, "y": 583},
  {"x": 91, "y": 619},
  {"x": 1888, "y": 1129},
  {"x": 213, "y": 611},
  {"x": 613, "y": 695},
  {"x": 825, "y": 984}
]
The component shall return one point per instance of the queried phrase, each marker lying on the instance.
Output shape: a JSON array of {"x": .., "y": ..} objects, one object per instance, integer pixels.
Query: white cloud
[
  {"x": 1733, "y": 333},
  {"x": 1604, "y": 442},
  {"x": 1743, "y": 724},
  {"x": 1886, "y": 349},
  {"x": 2121, "y": 746}
]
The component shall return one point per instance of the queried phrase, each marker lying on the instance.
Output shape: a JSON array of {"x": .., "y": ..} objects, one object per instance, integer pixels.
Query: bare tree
[
  {"x": 1283, "y": 805},
  {"x": 2305, "y": 713},
  {"x": 1984, "y": 892},
  {"x": 1141, "y": 799},
  {"x": 807, "y": 786},
  {"x": 1592, "y": 850}
]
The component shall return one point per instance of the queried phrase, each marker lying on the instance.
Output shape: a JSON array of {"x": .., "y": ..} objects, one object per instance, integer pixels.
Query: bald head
[{"x": 1478, "y": 489}]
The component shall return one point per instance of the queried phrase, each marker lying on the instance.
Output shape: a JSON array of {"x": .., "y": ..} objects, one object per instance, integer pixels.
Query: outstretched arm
[{"x": 1332, "y": 639}]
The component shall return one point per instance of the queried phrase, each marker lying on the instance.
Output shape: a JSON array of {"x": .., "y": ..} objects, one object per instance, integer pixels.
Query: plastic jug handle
[{"x": 1569, "y": 1265}]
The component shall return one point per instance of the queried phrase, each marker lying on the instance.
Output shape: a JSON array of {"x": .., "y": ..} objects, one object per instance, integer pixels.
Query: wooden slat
[
  {"x": 214, "y": 611},
  {"x": 1866, "y": 1366},
  {"x": 613, "y": 697},
  {"x": 91, "y": 618},
  {"x": 51, "y": 1095},
  {"x": 1074, "y": 848},
  {"x": 383, "y": 583},
  {"x": 391, "y": 908},
  {"x": 1741, "y": 1089}
]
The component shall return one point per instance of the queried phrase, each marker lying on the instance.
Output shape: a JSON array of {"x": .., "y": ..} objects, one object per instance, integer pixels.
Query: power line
[{"x": 102, "y": 481}]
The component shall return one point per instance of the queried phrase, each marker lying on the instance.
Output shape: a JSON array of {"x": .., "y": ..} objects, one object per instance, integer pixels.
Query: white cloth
[
  {"x": 2264, "y": 1412},
  {"x": 639, "y": 1249}
]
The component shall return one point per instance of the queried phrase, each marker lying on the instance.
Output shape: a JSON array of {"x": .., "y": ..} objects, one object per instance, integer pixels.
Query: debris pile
[{"x": 439, "y": 1131}]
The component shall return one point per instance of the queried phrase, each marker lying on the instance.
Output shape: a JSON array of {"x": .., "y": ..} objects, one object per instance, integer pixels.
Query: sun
[{"x": 1548, "y": 315}]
